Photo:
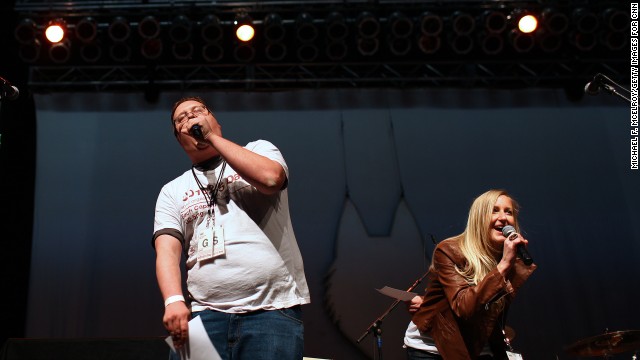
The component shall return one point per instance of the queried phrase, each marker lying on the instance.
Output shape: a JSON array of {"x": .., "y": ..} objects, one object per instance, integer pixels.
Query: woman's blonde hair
[{"x": 475, "y": 242}]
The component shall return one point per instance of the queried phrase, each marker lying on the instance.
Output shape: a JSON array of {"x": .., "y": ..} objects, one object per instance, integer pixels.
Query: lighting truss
[{"x": 324, "y": 44}]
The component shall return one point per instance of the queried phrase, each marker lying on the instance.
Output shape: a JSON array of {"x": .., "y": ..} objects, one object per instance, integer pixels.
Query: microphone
[
  {"x": 594, "y": 86},
  {"x": 8, "y": 91},
  {"x": 196, "y": 131},
  {"x": 520, "y": 249}
]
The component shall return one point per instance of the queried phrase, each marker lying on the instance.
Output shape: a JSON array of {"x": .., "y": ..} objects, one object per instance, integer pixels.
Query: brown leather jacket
[{"x": 462, "y": 318}]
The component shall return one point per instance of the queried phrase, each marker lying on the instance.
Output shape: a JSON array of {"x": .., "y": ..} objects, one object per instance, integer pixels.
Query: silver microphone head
[{"x": 508, "y": 230}]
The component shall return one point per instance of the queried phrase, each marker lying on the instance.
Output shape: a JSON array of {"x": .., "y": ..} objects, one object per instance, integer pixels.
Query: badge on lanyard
[{"x": 210, "y": 239}]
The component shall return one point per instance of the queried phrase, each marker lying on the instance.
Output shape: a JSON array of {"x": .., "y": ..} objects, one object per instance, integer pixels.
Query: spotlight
[
  {"x": 212, "y": 52},
  {"x": 91, "y": 53},
  {"x": 149, "y": 27},
  {"x": 275, "y": 51},
  {"x": 307, "y": 52},
  {"x": 336, "y": 50},
  {"x": 521, "y": 42},
  {"x": 30, "y": 52},
  {"x": 211, "y": 30},
  {"x": 461, "y": 44},
  {"x": 368, "y": 25},
  {"x": 86, "y": 29},
  {"x": 429, "y": 44},
  {"x": 119, "y": 29},
  {"x": 120, "y": 52},
  {"x": 60, "y": 52},
  {"x": 491, "y": 43},
  {"x": 462, "y": 23},
  {"x": 494, "y": 22},
  {"x": 244, "y": 27},
  {"x": 399, "y": 46},
  {"x": 528, "y": 24},
  {"x": 585, "y": 20},
  {"x": 55, "y": 30},
  {"x": 180, "y": 30},
  {"x": 182, "y": 50},
  {"x": 430, "y": 24},
  {"x": 583, "y": 41},
  {"x": 614, "y": 40},
  {"x": 400, "y": 26},
  {"x": 548, "y": 41},
  {"x": 151, "y": 48},
  {"x": 306, "y": 30},
  {"x": 337, "y": 29},
  {"x": 554, "y": 21},
  {"x": 273, "y": 28},
  {"x": 25, "y": 32},
  {"x": 244, "y": 52},
  {"x": 616, "y": 20},
  {"x": 368, "y": 46}
]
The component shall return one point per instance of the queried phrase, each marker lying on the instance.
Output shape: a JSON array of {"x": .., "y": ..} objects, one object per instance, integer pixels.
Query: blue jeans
[
  {"x": 257, "y": 335},
  {"x": 415, "y": 354}
]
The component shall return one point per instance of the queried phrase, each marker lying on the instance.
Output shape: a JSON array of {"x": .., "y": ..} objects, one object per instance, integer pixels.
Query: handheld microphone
[
  {"x": 8, "y": 91},
  {"x": 196, "y": 131},
  {"x": 520, "y": 249},
  {"x": 594, "y": 86}
]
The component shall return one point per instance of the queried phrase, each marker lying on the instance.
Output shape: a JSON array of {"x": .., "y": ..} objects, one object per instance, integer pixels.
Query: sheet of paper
[
  {"x": 199, "y": 347},
  {"x": 397, "y": 294}
]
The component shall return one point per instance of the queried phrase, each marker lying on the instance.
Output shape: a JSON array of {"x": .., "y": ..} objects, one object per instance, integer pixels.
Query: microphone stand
[
  {"x": 605, "y": 84},
  {"x": 376, "y": 327}
]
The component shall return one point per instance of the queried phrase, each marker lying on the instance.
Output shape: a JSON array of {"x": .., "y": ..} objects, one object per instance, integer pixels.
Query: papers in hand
[
  {"x": 397, "y": 294},
  {"x": 199, "y": 346}
]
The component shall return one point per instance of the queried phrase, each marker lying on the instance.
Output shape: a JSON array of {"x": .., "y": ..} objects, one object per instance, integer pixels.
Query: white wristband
[{"x": 172, "y": 299}]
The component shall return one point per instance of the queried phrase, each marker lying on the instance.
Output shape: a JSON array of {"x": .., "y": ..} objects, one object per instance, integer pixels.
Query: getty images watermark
[{"x": 634, "y": 86}]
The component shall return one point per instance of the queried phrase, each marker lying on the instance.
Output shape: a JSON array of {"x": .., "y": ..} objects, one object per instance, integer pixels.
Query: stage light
[
  {"x": 212, "y": 52},
  {"x": 244, "y": 27},
  {"x": 461, "y": 44},
  {"x": 91, "y": 53},
  {"x": 585, "y": 21},
  {"x": 368, "y": 25},
  {"x": 368, "y": 46},
  {"x": 86, "y": 29},
  {"x": 521, "y": 42},
  {"x": 151, "y": 48},
  {"x": 275, "y": 51},
  {"x": 583, "y": 41},
  {"x": 149, "y": 27},
  {"x": 336, "y": 24},
  {"x": 55, "y": 30},
  {"x": 273, "y": 29},
  {"x": 430, "y": 24},
  {"x": 494, "y": 22},
  {"x": 211, "y": 31},
  {"x": 26, "y": 31},
  {"x": 182, "y": 50},
  {"x": 244, "y": 52},
  {"x": 491, "y": 43},
  {"x": 400, "y": 26},
  {"x": 462, "y": 23},
  {"x": 60, "y": 52},
  {"x": 399, "y": 46},
  {"x": 307, "y": 52},
  {"x": 614, "y": 40},
  {"x": 180, "y": 30},
  {"x": 306, "y": 30},
  {"x": 336, "y": 50},
  {"x": 120, "y": 52},
  {"x": 119, "y": 29},
  {"x": 429, "y": 44},
  {"x": 616, "y": 20},
  {"x": 555, "y": 22},
  {"x": 528, "y": 24}
]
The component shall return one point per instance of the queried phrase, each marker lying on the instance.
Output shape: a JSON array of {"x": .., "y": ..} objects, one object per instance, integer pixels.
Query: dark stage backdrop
[{"x": 374, "y": 175}]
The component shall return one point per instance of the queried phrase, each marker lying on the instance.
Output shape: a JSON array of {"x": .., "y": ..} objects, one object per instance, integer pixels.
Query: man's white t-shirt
[{"x": 262, "y": 267}]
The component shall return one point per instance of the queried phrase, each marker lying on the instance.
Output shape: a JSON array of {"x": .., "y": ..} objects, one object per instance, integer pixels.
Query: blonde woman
[{"x": 472, "y": 279}]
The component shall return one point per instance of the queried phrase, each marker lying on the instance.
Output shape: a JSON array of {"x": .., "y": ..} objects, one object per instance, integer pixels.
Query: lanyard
[{"x": 210, "y": 196}]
